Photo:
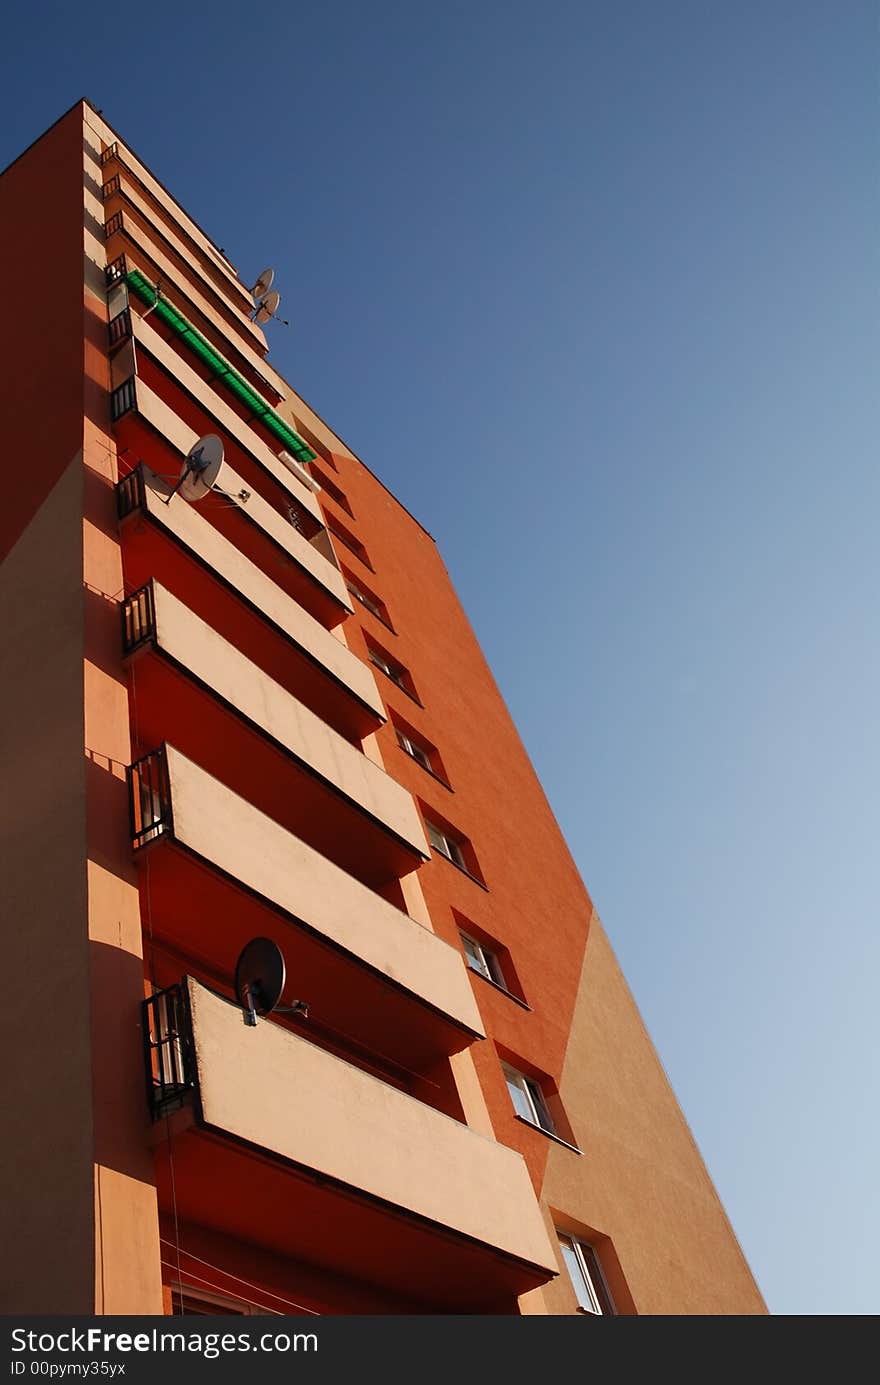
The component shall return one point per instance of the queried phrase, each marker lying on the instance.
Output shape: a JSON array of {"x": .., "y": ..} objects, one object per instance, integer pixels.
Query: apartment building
[{"x": 243, "y": 701}]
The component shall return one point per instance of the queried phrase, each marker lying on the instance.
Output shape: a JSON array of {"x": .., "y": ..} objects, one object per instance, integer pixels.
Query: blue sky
[{"x": 592, "y": 287}]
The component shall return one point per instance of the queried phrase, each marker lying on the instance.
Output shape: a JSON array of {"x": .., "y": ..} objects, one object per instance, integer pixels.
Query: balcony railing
[
  {"x": 123, "y": 399},
  {"x": 138, "y": 619},
  {"x": 168, "y": 1055},
  {"x": 149, "y": 798},
  {"x": 160, "y": 208},
  {"x": 130, "y": 493},
  {"x": 119, "y": 327},
  {"x": 112, "y": 225},
  {"x": 112, "y": 185}
]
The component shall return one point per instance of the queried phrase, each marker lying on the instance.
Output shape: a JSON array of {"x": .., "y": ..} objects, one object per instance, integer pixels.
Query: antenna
[
  {"x": 263, "y": 284},
  {"x": 260, "y": 976},
  {"x": 200, "y": 469},
  {"x": 267, "y": 306}
]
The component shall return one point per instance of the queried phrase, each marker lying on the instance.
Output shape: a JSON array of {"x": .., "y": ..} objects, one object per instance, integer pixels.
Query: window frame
[
  {"x": 491, "y": 967},
  {"x": 393, "y": 671},
  {"x": 529, "y": 1088},
  {"x": 456, "y": 855},
  {"x": 593, "y": 1276},
  {"x": 368, "y": 599},
  {"x": 414, "y": 750},
  {"x": 221, "y": 1304},
  {"x": 348, "y": 540}
]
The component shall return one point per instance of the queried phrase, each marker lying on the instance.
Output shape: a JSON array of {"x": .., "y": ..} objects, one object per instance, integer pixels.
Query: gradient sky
[{"x": 593, "y": 288}]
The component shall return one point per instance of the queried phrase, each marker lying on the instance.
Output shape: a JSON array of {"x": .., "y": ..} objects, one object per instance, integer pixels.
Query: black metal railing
[
  {"x": 112, "y": 185},
  {"x": 109, "y": 153},
  {"x": 168, "y": 1050},
  {"x": 119, "y": 327},
  {"x": 138, "y": 619},
  {"x": 149, "y": 798},
  {"x": 112, "y": 225},
  {"x": 116, "y": 270},
  {"x": 123, "y": 399},
  {"x": 130, "y": 493}
]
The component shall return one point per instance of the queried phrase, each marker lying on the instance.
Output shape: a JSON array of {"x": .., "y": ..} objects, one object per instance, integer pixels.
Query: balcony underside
[
  {"x": 204, "y": 917},
  {"x": 310, "y": 1157},
  {"x": 237, "y": 1190}
]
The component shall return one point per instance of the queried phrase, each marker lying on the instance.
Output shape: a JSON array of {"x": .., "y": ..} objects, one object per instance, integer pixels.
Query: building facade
[{"x": 256, "y": 709}]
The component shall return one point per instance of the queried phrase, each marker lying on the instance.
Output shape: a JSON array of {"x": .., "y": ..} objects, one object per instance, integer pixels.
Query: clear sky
[{"x": 593, "y": 288}]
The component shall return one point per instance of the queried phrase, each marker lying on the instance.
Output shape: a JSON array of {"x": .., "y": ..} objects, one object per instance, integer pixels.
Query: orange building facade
[{"x": 263, "y": 713}]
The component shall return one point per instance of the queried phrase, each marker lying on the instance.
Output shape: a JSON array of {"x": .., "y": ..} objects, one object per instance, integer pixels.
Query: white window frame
[
  {"x": 414, "y": 750},
  {"x": 535, "y": 1099},
  {"x": 487, "y": 963},
  {"x": 371, "y": 605},
  {"x": 394, "y": 672},
  {"x": 232, "y": 1306},
  {"x": 446, "y": 845},
  {"x": 590, "y": 1269}
]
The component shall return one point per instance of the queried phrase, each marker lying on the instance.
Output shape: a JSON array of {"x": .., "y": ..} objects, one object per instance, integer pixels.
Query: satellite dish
[
  {"x": 267, "y": 306},
  {"x": 259, "y": 978},
  {"x": 263, "y": 284},
  {"x": 201, "y": 468}
]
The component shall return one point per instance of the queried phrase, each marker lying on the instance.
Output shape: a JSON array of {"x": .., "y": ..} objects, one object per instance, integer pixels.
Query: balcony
[
  {"x": 124, "y": 176},
  {"x": 207, "y": 571},
  {"x": 146, "y": 427},
  {"x": 189, "y": 683},
  {"x": 218, "y": 872},
  {"x": 125, "y": 227},
  {"x": 191, "y": 368},
  {"x": 131, "y": 250},
  {"x": 316, "y": 1160}
]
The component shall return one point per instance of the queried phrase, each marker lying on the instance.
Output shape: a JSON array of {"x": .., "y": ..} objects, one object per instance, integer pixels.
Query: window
[
  {"x": 367, "y": 598},
  {"x": 418, "y": 752},
  {"x": 586, "y": 1276},
  {"x": 332, "y": 489},
  {"x": 202, "y": 1303},
  {"x": 446, "y": 845},
  {"x": 389, "y": 668},
  {"x": 368, "y": 601},
  {"x": 351, "y": 541},
  {"x": 528, "y": 1099},
  {"x": 480, "y": 959}
]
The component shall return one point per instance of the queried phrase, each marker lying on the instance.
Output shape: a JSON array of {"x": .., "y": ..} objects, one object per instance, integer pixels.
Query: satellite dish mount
[
  {"x": 267, "y": 307},
  {"x": 200, "y": 469},
  {"x": 263, "y": 284},
  {"x": 260, "y": 976}
]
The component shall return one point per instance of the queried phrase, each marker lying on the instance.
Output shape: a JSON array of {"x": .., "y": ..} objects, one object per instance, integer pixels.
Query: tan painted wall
[
  {"x": 46, "y": 1150},
  {"x": 198, "y": 648},
  {"x": 257, "y": 1084},
  {"x": 127, "y": 1267},
  {"x": 641, "y": 1181},
  {"x": 202, "y": 539},
  {"x": 221, "y": 827}
]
